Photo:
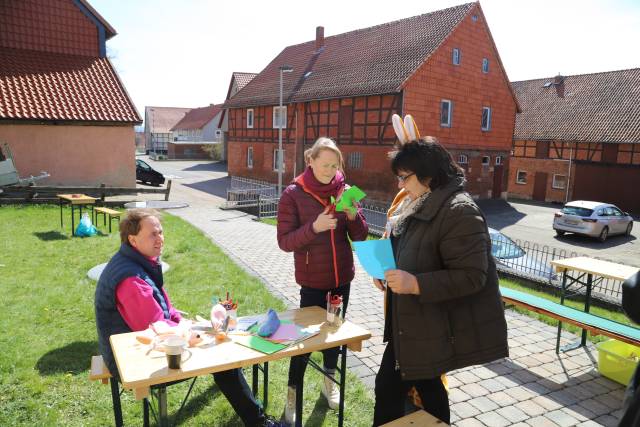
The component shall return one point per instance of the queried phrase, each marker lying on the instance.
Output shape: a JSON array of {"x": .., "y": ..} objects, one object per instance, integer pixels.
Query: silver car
[
  {"x": 514, "y": 259},
  {"x": 593, "y": 219}
]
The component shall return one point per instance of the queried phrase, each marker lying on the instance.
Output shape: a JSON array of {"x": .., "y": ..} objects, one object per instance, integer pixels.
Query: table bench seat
[
  {"x": 107, "y": 212},
  {"x": 595, "y": 324}
]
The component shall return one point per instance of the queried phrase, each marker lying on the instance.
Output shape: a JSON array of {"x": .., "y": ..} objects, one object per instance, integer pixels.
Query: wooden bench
[
  {"x": 415, "y": 419},
  {"x": 111, "y": 213},
  {"x": 595, "y": 324},
  {"x": 99, "y": 371}
]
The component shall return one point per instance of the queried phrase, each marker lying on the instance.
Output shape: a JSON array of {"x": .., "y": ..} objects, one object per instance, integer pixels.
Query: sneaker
[
  {"x": 331, "y": 391},
  {"x": 269, "y": 421},
  {"x": 290, "y": 407}
]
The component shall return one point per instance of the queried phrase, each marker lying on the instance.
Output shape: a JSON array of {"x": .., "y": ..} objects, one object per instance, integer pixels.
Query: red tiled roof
[
  {"x": 600, "y": 107},
  {"x": 198, "y": 117},
  {"x": 373, "y": 60},
  {"x": 51, "y": 86},
  {"x": 162, "y": 119},
  {"x": 242, "y": 79}
]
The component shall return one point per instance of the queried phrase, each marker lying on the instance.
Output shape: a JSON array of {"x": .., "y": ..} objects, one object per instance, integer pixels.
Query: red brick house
[
  {"x": 578, "y": 138},
  {"x": 63, "y": 108},
  {"x": 441, "y": 67}
]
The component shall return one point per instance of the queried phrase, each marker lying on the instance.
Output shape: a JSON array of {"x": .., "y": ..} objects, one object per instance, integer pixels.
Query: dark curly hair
[{"x": 427, "y": 159}]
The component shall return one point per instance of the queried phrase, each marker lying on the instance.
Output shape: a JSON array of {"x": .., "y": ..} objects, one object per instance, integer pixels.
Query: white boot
[
  {"x": 290, "y": 407},
  {"x": 331, "y": 391}
]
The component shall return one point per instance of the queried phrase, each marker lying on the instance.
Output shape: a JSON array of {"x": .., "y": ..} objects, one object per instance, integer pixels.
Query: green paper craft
[
  {"x": 258, "y": 343},
  {"x": 346, "y": 200}
]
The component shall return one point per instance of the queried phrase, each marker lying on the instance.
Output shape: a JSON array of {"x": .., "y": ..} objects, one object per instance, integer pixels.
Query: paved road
[
  {"x": 533, "y": 223},
  {"x": 533, "y": 387}
]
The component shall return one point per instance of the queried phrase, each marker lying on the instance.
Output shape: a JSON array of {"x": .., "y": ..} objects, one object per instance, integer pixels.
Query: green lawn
[{"x": 48, "y": 328}]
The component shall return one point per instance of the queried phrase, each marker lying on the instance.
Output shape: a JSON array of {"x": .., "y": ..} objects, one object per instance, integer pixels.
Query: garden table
[{"x": 76, "y": 201}]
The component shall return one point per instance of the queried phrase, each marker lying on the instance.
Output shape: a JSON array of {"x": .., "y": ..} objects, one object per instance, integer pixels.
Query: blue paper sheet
[{"x": 376, "y": 256}]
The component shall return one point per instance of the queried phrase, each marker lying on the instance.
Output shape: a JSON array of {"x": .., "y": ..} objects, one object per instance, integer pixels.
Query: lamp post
[{"x": 283, "y": 69}]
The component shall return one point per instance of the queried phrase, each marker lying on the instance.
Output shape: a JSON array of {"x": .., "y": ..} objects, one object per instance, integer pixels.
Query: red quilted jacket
[{"x": 314, "y": 254}]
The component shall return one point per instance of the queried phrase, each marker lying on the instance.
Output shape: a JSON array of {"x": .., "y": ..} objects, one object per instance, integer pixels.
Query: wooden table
[
  {"x": 573, "y": 272},
  {"x": 139, "y": 371},
  {"x": 416, "y": 419},
  {"x": 75, "y": 201}
]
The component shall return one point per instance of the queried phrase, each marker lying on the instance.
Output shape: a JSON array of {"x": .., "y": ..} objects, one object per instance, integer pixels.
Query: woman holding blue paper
[
  {"x": 318, "y": 235},
  {"x": 443, "y": 306}
]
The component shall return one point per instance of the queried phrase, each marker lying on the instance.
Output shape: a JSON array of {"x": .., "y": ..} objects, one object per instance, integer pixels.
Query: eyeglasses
[{"x": 403, "y": 178}]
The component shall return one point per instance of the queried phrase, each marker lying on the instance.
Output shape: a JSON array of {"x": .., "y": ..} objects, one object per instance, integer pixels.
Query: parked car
[
  {"x": 594, "y": 219},
  {"x": 512, "y": 258},
  {"x": 146, "y": 173}
]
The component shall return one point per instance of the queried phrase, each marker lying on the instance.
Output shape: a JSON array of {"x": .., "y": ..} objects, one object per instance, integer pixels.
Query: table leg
[
  {"x": 162, "y": 407},
  {"x": 343, "y": 377},
  {"x": 73, "y": 224},
  {"x": 562, "y": 291},
  {"x": 145, "y": 412},
  {"x": 587, "y": 306},
  {"x": 265, "y": 390},
  {"x": 254, "y": 380},
  {"x": 115, "y": 398}
]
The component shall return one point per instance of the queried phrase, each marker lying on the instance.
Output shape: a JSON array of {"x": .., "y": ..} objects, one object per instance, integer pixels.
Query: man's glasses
[{"x": 403, "y": 178}]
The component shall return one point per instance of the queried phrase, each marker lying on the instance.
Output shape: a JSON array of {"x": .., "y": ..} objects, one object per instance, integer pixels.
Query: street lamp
[{"x": 283, "y": 69}]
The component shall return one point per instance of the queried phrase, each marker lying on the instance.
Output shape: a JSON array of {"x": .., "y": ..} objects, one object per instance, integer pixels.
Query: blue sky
[{"x": 181, "y": 53}]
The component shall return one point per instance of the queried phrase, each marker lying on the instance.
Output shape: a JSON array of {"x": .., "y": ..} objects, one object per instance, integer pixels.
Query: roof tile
[{"x": 198, "y": 117}]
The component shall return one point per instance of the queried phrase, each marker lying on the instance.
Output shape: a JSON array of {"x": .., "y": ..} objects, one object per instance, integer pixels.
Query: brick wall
[
  {"x": 56, "y": 26},
  {"x": 531, "y": 166}
]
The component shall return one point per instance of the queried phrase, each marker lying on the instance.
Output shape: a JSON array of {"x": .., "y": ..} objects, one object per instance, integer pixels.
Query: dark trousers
[
  {"x": 310, "y": 297},
  {"x": 235, "y": 388},
  {"x": 391, "y": 392}
]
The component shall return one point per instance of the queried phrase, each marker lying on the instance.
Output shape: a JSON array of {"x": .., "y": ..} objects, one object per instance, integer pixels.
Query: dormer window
[
  {"x": 456, "y": 56},
  {"x": 485, "y": 65}
]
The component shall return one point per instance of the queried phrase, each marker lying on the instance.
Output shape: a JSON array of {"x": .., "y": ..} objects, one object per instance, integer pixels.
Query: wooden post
[{"x": 166, "y": 194}]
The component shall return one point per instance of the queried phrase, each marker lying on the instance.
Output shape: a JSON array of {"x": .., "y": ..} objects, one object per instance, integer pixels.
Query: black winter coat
[{"x": 458, "y": 318}]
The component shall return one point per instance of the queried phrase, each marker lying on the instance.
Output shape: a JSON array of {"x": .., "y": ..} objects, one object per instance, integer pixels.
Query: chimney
[
  {"x": 558, "y": 82},
  {"x": 319, "y": 37}
]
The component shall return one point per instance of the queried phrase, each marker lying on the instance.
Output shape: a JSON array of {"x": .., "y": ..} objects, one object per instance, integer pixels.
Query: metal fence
[{"x": 246, "y": 192}]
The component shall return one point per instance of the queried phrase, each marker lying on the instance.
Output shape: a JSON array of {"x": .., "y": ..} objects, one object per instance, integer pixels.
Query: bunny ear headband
[{"x": 407, "y": 130}]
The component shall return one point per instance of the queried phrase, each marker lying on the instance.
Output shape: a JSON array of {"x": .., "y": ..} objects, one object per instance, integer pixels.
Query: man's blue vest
[{"x": 127, "y": 262}]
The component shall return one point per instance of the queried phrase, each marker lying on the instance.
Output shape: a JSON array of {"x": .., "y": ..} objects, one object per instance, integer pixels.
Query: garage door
[{"x": 617, "y": 184}]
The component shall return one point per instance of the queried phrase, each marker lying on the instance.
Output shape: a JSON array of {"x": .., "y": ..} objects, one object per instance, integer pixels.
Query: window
[
  {"x": 521, "y": 177},
  {"x": 275, "y": 160},
  {"x": 280, "y": 120},
  {"x": 455, "y": 57},
  {"x": 355, "y": 160},
  {"x": 486, "y": 160},
  {"x": 250, "y": 157},
  {"x": 485, "y": 65},
  {"x": 559, "y": 182},
  {"x": 250, "y": 118},
  {"x": 445, "y": 113},
  {"x": 463, "y": 159},
  {"x": 498, "y": 160},
  {"x": 486, "y": 118}
]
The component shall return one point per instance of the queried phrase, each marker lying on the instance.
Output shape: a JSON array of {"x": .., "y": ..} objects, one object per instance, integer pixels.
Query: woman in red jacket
[{"x": 319, "y": 239}]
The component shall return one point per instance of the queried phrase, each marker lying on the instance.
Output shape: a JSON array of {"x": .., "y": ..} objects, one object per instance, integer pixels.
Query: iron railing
[{"x": 246, "y": 192}]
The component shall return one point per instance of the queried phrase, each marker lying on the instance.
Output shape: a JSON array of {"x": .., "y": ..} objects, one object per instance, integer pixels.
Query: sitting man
[{"x": 130, "y": 295}]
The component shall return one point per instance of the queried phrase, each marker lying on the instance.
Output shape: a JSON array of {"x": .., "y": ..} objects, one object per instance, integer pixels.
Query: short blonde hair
[
  {"x": 130, "y": 225},
  {"x": 324, "y": 143}
]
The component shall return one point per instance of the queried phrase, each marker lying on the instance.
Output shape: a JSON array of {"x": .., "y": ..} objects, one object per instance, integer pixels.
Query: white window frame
[
  {"x": 463, "y": 159},
  {"x": 455, "y": 56},
  {"x": 449, "y": 112},
  {"x": 275, "y": 160},
  {"x": 485, "y": 65},
  {"x": 249, "y": 157},
  {"x": 498, "y": 160},
  {"x": 554, "y": 183},
  {"x": 518, "y": 180},
  {"x": 275, "y": 113},
  {"x": 486, "y": 160},
  {"x": 250, "y": 118},
  {"x": 486, "y": 127}
]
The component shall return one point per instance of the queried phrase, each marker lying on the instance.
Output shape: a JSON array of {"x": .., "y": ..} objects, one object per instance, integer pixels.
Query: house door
[
  {"x": 540, "y": 186},
  {"x": 497, "y": 182}
]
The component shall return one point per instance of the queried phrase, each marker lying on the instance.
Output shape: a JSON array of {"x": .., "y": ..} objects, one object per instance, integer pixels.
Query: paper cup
[{"x": 174, "y": 347}]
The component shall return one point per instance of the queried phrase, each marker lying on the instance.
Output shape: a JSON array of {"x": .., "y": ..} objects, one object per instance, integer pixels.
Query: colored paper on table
[
  {"x": 258, "y": 343},
  {"x": 345, "y": 202},
  {"x": 376, "y": 256}
]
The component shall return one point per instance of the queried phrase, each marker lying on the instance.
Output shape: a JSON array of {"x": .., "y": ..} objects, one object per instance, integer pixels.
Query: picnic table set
[{"x": 162, "y": 354}]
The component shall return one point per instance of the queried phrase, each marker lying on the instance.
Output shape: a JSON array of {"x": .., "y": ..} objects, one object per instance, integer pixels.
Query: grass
[
  {"x": 48, "y": 327},
  {"x": 617, "y": 316}
]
